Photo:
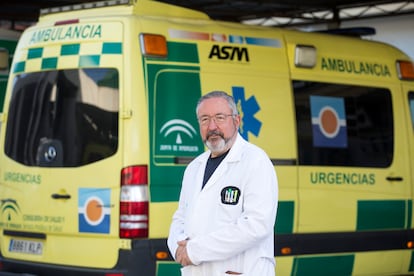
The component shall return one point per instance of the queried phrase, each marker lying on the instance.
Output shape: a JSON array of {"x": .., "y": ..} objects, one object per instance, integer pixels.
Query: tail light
[{"x": 134, "y": 203}]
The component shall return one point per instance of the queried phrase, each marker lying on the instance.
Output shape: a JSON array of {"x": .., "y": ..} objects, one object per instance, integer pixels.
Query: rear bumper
[{"x": 139, "y": 261}]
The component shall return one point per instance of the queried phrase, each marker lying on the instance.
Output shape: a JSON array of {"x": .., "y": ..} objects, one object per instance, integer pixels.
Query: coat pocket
[
  {"x": 230, "y": 273},
  {"x": 233, "y": 266},
  {"x": 186, "y": 271}
]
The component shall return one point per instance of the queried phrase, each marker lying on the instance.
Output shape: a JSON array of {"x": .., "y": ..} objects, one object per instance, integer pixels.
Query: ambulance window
[
  {"x": 65, "y": 118},
  {"x": 411, "y": 102},
  {"x": 343, "y": 125}
]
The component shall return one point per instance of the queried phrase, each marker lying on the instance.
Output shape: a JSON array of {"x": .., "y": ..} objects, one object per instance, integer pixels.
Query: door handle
[
  {"x": 394, "y": 178},
  {"x": 61, "y": 196}
]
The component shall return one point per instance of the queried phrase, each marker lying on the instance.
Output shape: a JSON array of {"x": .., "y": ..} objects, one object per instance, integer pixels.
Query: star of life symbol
[
  {"x": 178, "y": 128},
  {"x": 247, "y": 109}
]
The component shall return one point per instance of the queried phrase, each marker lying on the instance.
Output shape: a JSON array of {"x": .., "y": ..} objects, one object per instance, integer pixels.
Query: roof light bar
[{"x": 89, "y": 5}]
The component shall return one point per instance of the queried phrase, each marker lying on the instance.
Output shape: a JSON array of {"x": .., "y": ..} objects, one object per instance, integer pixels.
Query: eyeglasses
[{"x": 218, "y": 119}]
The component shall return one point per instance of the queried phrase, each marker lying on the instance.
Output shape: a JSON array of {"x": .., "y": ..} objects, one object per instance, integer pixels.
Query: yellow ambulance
[
  {"x": 8, "y": 42},
  {"x": 99, "y": 124}
]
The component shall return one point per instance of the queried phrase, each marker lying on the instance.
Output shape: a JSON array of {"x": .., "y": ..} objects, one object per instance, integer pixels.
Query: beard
[{"x": 218, "y": 144}]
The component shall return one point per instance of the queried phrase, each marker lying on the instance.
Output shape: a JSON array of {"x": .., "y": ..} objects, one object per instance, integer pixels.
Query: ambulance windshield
[{"x": 64, "y": 118}]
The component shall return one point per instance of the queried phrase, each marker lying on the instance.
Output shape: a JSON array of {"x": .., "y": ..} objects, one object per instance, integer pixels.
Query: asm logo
[{"x": 229, "y": 53}]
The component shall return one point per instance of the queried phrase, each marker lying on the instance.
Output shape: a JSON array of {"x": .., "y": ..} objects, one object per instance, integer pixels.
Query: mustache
[{"x": 214, "y": 132}]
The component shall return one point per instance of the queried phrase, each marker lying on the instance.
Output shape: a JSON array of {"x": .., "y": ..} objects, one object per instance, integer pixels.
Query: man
[{"x": 227, "y": 208}]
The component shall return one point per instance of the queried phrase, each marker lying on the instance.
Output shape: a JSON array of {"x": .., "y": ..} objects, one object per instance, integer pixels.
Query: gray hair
[{"x": 219, "y": 94}]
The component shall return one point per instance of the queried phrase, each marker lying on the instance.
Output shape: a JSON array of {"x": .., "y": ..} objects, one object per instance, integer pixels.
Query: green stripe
[
  {"x": 166, "y": 193},
  {"x": 49, "y": 63},
  {"x": 168, "y": 98},
  {"x": 69, "y": 49},
  {"x": 19, "y": 67},
  {"x": 284, "y": 218},
  {"x": 9, "y": 45},
  {"x": 381, "y": 214},
  {"x": 35, "y": 53},
  {"x": 91, "y": 60},
  {"x": 412, "y": 262},
  {"x": 409, "y": 213},
  {"x": 323, "y": 266},
  {"x": 112, "y": 48},
  {"x": 182, "y": 52},
  {"x": 168, "y": 269}
]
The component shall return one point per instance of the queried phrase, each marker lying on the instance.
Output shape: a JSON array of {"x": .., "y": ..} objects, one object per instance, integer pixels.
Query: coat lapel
[
  {"x": 232, "y": 156},
  {"x": 217, "y": 175}
]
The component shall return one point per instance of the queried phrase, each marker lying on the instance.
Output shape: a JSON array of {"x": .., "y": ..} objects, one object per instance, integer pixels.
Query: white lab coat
[{"x": 228, "y": 237}]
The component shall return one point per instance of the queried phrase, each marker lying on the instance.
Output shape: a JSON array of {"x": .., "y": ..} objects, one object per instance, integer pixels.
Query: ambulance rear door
[
  {"x": 61, "y": 147},
  {"x": 408, "y": 90}
]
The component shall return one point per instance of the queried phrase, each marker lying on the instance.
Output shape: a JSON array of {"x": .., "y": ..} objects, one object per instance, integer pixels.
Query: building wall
[{"x": 397, "y": 31}]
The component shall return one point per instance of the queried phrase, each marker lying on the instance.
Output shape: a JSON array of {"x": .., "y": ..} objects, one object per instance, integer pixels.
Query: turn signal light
[
  {"x": 286, "y": 251},
  {"x": 161, "y": 255},
  {"x": 405, "y": 70},
  {"x": 153, "y": 45}
]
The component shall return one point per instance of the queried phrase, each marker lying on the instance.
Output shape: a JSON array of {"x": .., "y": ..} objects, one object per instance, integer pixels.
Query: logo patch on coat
[{"x": 230, "y": 195}]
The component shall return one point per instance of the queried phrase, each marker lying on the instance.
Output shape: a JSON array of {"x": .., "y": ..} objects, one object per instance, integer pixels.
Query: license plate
[{"x": 27, "y": 247}]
